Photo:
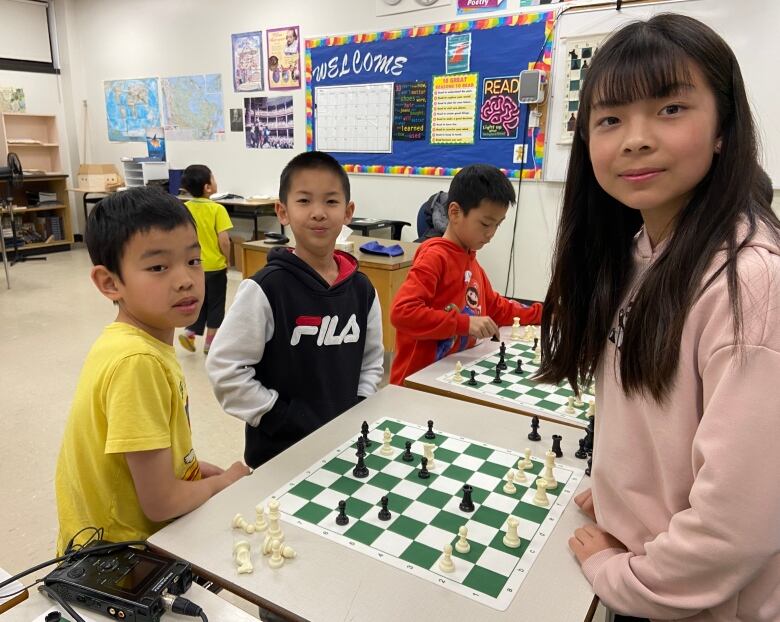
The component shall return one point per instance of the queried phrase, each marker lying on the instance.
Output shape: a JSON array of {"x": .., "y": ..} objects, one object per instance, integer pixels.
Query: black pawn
[
  {"x": 472, "y": 381},
  {"x": 466, "y": 504},
  {"x": 534, "y": 435},
  {"x": 364, "y": 432},
  {"x": 407, "y": 455},
  {"x": 556, "y": 446},
  {"x": 384, "y": 513},
  {"x": 502, "y": 349},
  {"x": 342, "y": 518},
  {"x": 495, "y": 338},
  {"x": 581, "y": 453},
  {"x": 423, "y": 472},
  {"x": 590, "y": 462},
  {"x": 360, "y": 470},
  {"x": 501, "y": 362},
  {"x": 497, "y": 379},
  {"x": 519, "y": 368},
  {"x": 430, "y": 433},
  {"x": 536, "y": 344}
]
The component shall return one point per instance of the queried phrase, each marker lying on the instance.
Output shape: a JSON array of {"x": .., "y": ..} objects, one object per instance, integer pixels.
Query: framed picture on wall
[
  {"x": 284, "y": 58},
  {"x": 247, "y": 61}
]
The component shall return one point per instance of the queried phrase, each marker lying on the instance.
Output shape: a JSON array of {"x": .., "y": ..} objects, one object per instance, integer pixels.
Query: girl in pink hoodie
[{"x": 666, "y": 290}]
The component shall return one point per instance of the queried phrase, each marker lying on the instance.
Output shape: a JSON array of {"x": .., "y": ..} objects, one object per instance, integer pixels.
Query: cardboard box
[{"x": 98, "y": 176}]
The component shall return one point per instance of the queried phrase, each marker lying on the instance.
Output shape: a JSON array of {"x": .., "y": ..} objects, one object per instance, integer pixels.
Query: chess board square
[
  {"x": 329, "y": 523},
  {"x": 502, "y": 502},
  {"x": 306, "y": 489},
  {"x": 452, "y": 505},
  {"x": 536, "y": 392},
  {"x": 329, "y": 498},
  {"x": 503, "y": 458},
  {"x": 446, "y": 484},
  {"x": 496, "y": 471},
  {"x": 478, "y": 451},
  {"x": 421, "y": 512},
  {"x": 467, "y": 462},
  {"x": 409, "y": 489},
  {"x": 498, "y": 561},
  {"x": 323, "y": 478},
  {"x": 434, "y": 497},
  {"x": 393, "y": 426},
  {"x": 356, "y": 508},
  {"x": 509, "y": 393},
  {"x": 384, "y": 481},
  {"x": 434, "y": 537},
  {"x": 376, "y": 463},
  {"x": 312, "y": 513},
  {"x": 363, "y": 532},
  {"x": 489, "y": 516},
  {"x": 411, "y": 433},
  {"x": 526, "y": 529},
  {"x": 559, "y": 397},
  {"x": 392, "y": 543},
  {"x": 396, "y": 503},
  {"x": 446, "y": 456},
  {"x": 493, "y": 388},
  {"x": 372, "y": 517},
  {"x": 414, "y": 477},
  {"x": 291, "y": 503},
  {"x": 420, "y": 555},
  {"x": 339, "y": 465},
  {"x": 406, "y": 526},
  {"x": 566, "y": 392},
  {"x": 457, "y": 473},
  {"x": 398, "y": 469},
  {"x": 485, "y": 581},
  {"x": 346, "y": 485},
  {"x": 478, "y": 494},
  {"x": 475, "y": 549},
  {"x": 453, "y": 444},
  {"x": 548, "y": 404},
  {"x": 462, "y": 568},
  {"x": 528, "y": 495},
  {"x": 481, "y": 533},
  {"x": 529, "y": 511},
  {"x": 449, "y": 522},
  {"x": 399, "y": 441},
  {"x": 498, "y": 544}
]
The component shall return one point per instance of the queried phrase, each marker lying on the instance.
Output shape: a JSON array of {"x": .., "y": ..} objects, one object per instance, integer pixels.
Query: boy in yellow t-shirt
[
  {"x": 213, "y": 223},
  {"x": 127, "y": 464}
]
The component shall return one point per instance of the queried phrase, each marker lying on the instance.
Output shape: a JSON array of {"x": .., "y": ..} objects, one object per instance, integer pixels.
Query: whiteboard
[
  {"x": 750, "y": 27},
  {"x": 355, "y": 118}
]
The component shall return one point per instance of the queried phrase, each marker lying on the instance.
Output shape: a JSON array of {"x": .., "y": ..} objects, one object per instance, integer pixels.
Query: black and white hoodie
[{"x": 295, "y": 352}]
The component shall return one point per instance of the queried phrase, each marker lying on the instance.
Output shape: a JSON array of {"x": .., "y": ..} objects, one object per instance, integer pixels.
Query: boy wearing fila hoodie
[{"x": 302, "y": 341}]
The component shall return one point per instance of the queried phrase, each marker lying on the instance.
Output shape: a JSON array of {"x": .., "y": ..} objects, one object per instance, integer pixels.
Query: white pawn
[
  {"x": 288, "y": 552},
  {"x": 428, "y": 449},
  {"x": 462, "y": 545},
  {"x": 549, "y": 464},
  {"x": 538, "y": 357},
  {"x": 529, "y": 333},
  {"x": 540, "y": 498},
  {"x": 592, "y": 408},
  {"x": 260, "y": 522},
  {"x": 570, "y": 406},
  {"x": 515, "y": 334},
  {"x": 511, "y": 539},
  {"x": 509, "y": 487},
  {"x": 239, "y": 522},
  {"x": 242, "y": 557},
  {"x": 578, "y": 401},
  {"x": 527, "y": 463},
  {"x": 520, "y": 476},
  {"x": 458, "y": 377},
  {"x": 276, "y": 560},
  {"x": 445, "y": 563},
  {"x": 386, "y": 450}
]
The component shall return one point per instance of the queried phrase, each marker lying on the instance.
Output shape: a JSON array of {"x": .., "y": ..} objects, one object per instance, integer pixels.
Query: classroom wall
[{"x": 110, "y": 39}]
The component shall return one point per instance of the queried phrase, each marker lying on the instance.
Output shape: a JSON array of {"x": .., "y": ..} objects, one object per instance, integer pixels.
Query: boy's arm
[
  {"x": 503, "y": 311},
  {"x": 223, "y": 238},
  {"x": 373, "y": 353},
  {"x": 162, "y": 496},
  {"x": 239, "y": 344},
  {"x": 412, "y": 312},
  {"x": 222, "y": 224}
]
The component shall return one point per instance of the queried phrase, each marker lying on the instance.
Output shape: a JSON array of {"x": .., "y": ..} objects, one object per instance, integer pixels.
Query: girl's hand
[
  {"x": 584, "y": 501},
  {"x": 210, "y": 470},
  {"x": 589, "y": 540}
]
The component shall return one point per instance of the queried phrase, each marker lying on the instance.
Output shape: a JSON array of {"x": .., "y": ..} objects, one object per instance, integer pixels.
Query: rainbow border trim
[{"x": 522, "y": 19}]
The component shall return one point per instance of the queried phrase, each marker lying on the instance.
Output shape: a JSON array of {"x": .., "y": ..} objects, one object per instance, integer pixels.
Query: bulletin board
[{"x": 454, "y": 98}]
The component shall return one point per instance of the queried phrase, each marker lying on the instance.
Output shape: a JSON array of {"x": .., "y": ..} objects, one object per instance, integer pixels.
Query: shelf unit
[
  {"x": 141, "y": 173},
  {"x": 34, "y": 138}
]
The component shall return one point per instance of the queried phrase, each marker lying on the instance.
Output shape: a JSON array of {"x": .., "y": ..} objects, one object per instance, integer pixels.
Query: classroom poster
[
  {"x": 247, "y": 61},
  {"x": 12, "y": 99},
  {"x": 459, "y": 53},
  {"x": 236, "y": 119},
  {"x": 284, "y": 58},
  {"x": 453, "y": 110},
  {"x": 268, "y": 122},
  {"x": 499, "y": 114},
  {"x": 410, "y": 110},
  {"x": 155, "y": 143},
  {"x": 469, "y": 7}
]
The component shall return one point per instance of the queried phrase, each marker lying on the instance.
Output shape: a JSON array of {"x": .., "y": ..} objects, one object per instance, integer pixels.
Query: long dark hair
[{"x": 593, "y": 250}]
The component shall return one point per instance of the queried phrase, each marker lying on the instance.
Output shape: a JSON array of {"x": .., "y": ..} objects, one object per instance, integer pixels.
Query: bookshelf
[{"x": 34, "y": 138}]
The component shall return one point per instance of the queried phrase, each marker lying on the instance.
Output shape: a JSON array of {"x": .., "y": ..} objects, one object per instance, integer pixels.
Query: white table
[
  {"x": 330, "y": 582},
  {"x": 427, "y": 380}
]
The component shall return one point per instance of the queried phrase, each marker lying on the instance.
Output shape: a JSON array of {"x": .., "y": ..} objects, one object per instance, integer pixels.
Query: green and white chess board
[
  {"x": 518, "y": 390},
  {"x": 424, "y": 512}
]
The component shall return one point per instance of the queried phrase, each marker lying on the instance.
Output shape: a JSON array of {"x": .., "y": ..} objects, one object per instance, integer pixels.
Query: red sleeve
[
  {"x": 413, "y": 311},
  {"x": 503, "y": 311}
]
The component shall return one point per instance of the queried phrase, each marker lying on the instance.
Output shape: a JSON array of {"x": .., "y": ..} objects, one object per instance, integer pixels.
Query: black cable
[
  {"x": 186, "y": 607},
  {"x": 22, "y": 589},
  {"x": 62, "y": 602}
]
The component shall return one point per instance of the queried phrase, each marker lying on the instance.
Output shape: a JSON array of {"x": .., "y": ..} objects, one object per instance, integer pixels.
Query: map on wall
[
  {"x": 193, "y": 108},
  {"x": 132, "y": 106}
]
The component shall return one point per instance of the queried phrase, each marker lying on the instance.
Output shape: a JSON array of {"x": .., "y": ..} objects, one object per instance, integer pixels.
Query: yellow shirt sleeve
[{"x": 222, "y": 220}]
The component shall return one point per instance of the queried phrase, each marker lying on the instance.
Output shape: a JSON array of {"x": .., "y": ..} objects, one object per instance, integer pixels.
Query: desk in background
[
  {"x": 366, "y": 225},
  {"x": 385, "y": 273},
  {"x": 328, "y": 581}
]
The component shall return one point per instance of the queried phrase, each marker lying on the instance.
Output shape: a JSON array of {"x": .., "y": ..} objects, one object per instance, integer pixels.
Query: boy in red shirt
[{"x": 446, "y": 302}]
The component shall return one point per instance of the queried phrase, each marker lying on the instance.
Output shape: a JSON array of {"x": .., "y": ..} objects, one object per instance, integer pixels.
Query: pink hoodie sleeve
[{"x": 731, "y": 531}]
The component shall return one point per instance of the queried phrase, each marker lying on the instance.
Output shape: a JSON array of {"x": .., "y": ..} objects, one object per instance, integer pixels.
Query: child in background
[
  {"x": 302, "y": 341},
  {"x": 213, "y": 225},
  {"x": 666, "y": 288},
  {"x": 127, "y": 464},
  {"x": 446, "y": 302}
]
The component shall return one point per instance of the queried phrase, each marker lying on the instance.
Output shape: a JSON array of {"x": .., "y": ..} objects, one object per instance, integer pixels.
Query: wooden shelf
[
  {"x": 27, "y": 145},
  {"x": 48, "y": 208},
  {"x": 34, "y": 245}
]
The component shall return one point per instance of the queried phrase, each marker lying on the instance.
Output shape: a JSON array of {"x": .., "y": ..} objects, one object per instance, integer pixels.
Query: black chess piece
[
  {"x": 364, "y": 432},
  {"x": 430, "y": 433},
  {"x": 342, "y": 518},
  {"x": 519, "y": 368},
  {"x": 501, "y": 362},
  {"x": 384, "y": 513},
  {"x": 556, "y": 446},
  {"x": 590, "y": 462},
  {"x": 497, "y": 378},
  {"x": 536, "y": 344},
  {"x": 423, "y": 473},
  {"x": 466, "y": 504},
  {"x": 408, "y": 456},
  {"x": 502, "y": 349},
  {"x": 589, "y": 437},
  {"x": 472, "y": 381},
  {"x": 534, "y": 435},
  {"x": 360, "y": 470},
  {"x": 495, "y": 338},
  {"x": 581, "y": 453}
]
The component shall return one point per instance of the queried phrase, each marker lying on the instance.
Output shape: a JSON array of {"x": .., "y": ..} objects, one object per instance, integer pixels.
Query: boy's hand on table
[
  {"x": 235, "y": 472},
  {"x": 589, "y": 540},
  {"x": 482, "y": 327},
  {"x": 584, "y": 501},
  {"x": 210, "y": 470}
]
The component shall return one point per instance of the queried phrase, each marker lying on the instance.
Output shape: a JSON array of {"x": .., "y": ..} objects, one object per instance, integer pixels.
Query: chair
[{"x": 432, "y": 217}]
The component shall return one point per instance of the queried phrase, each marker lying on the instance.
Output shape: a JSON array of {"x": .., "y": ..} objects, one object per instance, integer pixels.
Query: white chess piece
[
  {"x": 515, "y": 335},
  {"x": 538, "y": 357},
  {"x": 274, "y": 530},
  {"x": 520, "y": 476},
  {"x": 578, "y": 401},
  {"x": 527, "y": 462},
  {"x": 462, "y": 545},
  {"x": 509, "y": 487},
  {"x": 387, "y": 449},
  {"x": 458, "y": 377},
  {"x": 288, "y": 552},
  {"x": 570, "y": 406},
  {"x": 540, "y": 498},
  {"x": 276, "y": 560},
  {"x": 260, "y": 523},
  {"x": 592, "y": 408},
  {"x": 239, "y": 522},
  {"x": 549, "y": 464},
  {"x": 445, "y": 563},
  {"x": 428, "y": 449},
  {"x": 242, "y": 557},
  {"x": 511, "y": 539}
]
